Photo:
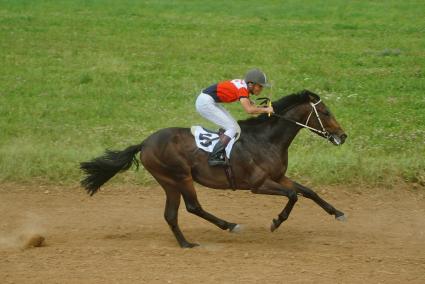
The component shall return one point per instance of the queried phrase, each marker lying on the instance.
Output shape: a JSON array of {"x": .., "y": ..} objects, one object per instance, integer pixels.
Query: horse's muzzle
[{"x": 337, "y": 139}]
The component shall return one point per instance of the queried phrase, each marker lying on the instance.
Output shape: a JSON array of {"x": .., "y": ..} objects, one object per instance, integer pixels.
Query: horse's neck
[
  {"x": 277, "y": 134},
  {"x": 283, "y": 133}
]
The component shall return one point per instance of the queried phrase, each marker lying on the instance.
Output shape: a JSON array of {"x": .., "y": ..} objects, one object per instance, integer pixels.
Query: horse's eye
[{"x": 326, "y": 112}]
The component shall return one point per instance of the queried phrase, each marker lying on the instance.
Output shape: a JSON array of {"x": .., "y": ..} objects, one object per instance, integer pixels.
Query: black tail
[{"x": 103, "y": 168}]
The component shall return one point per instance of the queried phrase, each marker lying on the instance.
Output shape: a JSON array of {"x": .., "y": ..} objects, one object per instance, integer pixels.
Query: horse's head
[{"x": 308, "y": 111}]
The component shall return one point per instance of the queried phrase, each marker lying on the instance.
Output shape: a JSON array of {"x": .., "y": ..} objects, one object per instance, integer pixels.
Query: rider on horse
[{"x": 207, "y": 104}]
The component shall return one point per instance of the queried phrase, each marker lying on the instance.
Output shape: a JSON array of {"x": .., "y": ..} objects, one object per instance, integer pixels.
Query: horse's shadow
[{"x": 261, "y": 236}]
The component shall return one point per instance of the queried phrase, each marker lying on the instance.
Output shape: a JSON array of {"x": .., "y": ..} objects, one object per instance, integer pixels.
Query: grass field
[{"x": 77, "y": 77}]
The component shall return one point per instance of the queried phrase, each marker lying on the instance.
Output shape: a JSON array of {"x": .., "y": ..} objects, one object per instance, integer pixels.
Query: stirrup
[
  {"x": 219, "y": 159},
  {"x": 218, "y": 155},
  {"x": 216, "y": 162}
]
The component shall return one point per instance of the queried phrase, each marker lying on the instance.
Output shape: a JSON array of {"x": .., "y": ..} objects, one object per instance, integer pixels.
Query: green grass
[{"x": 77, "y": 77}]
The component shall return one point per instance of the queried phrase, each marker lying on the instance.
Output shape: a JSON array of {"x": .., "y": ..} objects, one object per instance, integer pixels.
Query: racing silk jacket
[{"x": 228, "y": 91}]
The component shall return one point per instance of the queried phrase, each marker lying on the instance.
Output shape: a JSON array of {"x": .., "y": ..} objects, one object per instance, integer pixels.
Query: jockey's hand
[{"x": 269, "y": 109}]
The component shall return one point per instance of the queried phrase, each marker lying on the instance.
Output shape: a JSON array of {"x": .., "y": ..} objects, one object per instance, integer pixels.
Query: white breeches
[{"x": 214, "y": 112}]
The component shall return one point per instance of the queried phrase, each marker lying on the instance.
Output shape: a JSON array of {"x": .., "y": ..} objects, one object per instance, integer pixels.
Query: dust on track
[{"x": 119, "y": 235}]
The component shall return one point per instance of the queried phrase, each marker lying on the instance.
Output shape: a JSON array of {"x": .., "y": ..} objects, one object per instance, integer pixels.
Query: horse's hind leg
[
  {"x": 193, "y": 206},
  {"x": 171, "y": 212}
]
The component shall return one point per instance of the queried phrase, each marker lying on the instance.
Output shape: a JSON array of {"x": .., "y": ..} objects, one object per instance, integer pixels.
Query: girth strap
[{"x": 229, "y": 174}]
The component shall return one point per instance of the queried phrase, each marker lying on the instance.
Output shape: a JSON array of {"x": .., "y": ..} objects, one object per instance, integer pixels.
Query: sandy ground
[{"x": 120, "y": 236}]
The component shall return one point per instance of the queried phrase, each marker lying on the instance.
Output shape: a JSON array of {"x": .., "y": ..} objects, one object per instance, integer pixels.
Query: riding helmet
[{"x": 257, "y": 76}]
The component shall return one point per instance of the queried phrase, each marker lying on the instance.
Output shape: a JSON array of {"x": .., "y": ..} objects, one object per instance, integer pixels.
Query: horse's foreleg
[
  {"x": 193, "y": 206},
  {"x": 272, "y": 188},
  {"x": 308, "y": 193}
]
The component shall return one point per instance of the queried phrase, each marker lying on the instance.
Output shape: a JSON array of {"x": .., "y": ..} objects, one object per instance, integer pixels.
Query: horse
[{"x": 259, "y": 161}]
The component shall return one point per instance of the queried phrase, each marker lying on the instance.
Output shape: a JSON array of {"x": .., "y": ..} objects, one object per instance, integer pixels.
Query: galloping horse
[{"x": 259, "y": 161}]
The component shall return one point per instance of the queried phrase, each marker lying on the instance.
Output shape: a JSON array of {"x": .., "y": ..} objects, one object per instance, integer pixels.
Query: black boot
[{"x": 217, "y": 156}]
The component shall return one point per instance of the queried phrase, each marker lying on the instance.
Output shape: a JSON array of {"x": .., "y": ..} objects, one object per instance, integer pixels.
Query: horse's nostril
[{"x": 343, "y": 137}]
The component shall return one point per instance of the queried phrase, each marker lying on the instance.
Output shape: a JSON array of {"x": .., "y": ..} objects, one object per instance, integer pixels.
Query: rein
[{"x": 305, "y": 125}]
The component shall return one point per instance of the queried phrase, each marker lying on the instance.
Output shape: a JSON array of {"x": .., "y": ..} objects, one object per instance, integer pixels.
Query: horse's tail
[{"x": 103, "y": 168}]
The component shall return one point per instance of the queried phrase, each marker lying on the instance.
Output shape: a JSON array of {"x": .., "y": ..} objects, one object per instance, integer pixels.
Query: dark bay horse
[{"x": 259, "y": 161}]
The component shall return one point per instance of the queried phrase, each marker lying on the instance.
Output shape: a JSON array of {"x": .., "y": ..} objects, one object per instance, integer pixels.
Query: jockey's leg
[
  {"x": 214, "y": 158},
  {"x": 232, "y": 129},
  {"x": 217, "y": 114}
]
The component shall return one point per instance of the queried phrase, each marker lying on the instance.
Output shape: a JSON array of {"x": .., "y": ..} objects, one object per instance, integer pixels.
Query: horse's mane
[{"x": 280, "y": 107}]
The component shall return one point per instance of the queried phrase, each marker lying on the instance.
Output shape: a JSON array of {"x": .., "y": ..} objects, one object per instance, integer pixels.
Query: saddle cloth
[{"x": 206, "y": 140}]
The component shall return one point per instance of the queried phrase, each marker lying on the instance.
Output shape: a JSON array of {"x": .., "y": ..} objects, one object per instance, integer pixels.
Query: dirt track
[{"x": 120, "y": 236}]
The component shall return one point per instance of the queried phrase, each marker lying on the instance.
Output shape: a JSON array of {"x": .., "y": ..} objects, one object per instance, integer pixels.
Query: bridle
[{"x": 322, "y": 132}]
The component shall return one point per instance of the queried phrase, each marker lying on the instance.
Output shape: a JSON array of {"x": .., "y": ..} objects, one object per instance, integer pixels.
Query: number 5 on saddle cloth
[{"x": 206, "y": 140}]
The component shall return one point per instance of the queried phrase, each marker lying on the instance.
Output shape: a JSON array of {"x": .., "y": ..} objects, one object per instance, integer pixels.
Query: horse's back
[{"x": 165, "y": 136}]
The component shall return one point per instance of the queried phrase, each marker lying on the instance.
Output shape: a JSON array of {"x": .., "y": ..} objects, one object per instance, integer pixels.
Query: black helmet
[{"x": 257, "y": 76}]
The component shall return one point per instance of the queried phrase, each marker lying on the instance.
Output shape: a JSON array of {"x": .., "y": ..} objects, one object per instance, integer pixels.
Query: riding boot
[{"x": 217, "y": 156}]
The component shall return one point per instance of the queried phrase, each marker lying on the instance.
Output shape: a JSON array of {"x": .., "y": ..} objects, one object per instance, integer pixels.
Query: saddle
[{"x": 206, "y": 139}]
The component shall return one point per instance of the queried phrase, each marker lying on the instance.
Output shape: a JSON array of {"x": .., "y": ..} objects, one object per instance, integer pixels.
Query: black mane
[{"x": 281, "y": 106}]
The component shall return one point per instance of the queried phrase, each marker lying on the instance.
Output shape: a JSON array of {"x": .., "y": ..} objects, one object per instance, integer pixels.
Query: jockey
[{"x": 208, "y": 105}]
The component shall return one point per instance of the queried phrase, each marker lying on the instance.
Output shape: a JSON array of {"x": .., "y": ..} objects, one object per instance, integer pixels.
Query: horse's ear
[{"x": 312, "y": 96}]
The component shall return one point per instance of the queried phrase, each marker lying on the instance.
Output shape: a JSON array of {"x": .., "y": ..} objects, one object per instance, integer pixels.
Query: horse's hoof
[
  {"x": 273, "y": 226},
  {"x": 341, "y": 218},
  {"x": 189, "y": 245},
  {"x": 236, "y": 229}
]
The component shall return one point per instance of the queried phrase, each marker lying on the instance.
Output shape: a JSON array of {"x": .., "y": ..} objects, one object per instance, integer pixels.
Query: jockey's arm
[{"x": 252, "y": 108}]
